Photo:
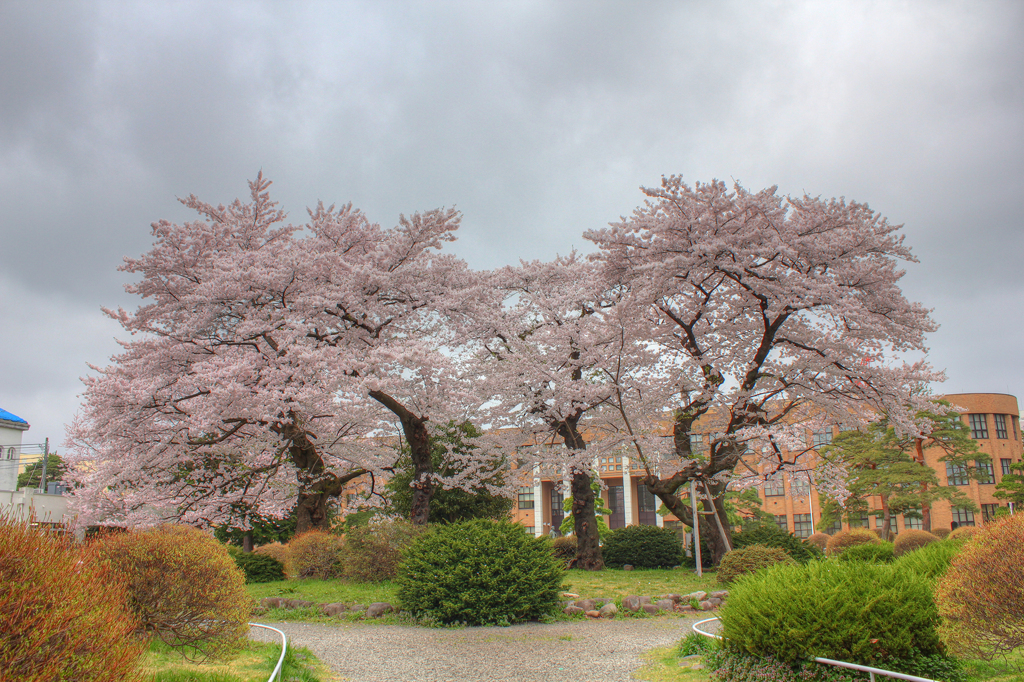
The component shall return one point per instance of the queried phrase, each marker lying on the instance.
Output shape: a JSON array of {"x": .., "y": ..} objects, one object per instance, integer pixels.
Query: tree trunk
[
  {"x": 416, "y": 435},
  {"x": 247, "y": 542},
  {"x": 886, "y": 518},
  {"x": 311, "y": 511},
  {"x": 584, "y": 517},
  {"x": 709, "y": 532}
]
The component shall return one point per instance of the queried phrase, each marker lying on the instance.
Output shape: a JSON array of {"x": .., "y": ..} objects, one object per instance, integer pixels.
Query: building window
[
  {"x": 617, "y": 503},
  {"x": 956, "y": 475},
  {"x": 988, "y": 512},
  {"x": 979, "y": 426},
  {"x": 647, "y": 506},
  {"x": 985, "y": 473},
  {"x": 774, "y": 486},
  {"x": 962, "y": 517},
  {"x": 799, "y": 486},
  {"x": 912, "y": 519},
  {"x": 557, "y": 508},
  {"x": 1005, "y": 465},
  {"x": 802, "y": 525},
  {"x": 834, "y": 528},
  {"x": 858, "y": 519},
  {"x": 782, "y": 522},
  {"x": 531, "y": 530},
  {"x": 526, "y": 497},
  {"x": 696, "y": 442},
  {"x": 1000, "y": 425},
  {"x": 821, "y": 438}
]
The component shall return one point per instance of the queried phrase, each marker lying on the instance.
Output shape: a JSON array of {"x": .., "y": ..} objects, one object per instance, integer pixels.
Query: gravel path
[{"x": 603, "y": 651}]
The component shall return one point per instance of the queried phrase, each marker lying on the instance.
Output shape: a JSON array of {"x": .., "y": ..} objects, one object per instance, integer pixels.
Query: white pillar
[
  {"x": 538, "y": 503},
  {"x": 627, "y": 491}
]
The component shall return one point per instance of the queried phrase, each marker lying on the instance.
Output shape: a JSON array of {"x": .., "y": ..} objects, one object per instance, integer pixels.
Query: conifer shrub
[
  {"x": 316, "y": 554},
  {"x": 63, "y": 616},
  {"x": 479, "y": 572},
  {"x": 183, "y": 586},
  {"x": 872, "y": 553},
  {"x": 963, "y": 533},
  {"x": 931, "y": 561},
  {"x": 565, "y": 549},
  {"x": 911, "y": 539},
  {"x": 771, "y": 535},
  {"x": 941, "y": 533},
  {"x": 277, "y": 551},
  {"x": 373, "y": 551},
  {"x": 818, "y": 540},
  {"x": 750, "y": 560},
  {"x": 857, "y": 612},
  {"x": 981, "y": 596},
  {"x": 850, "y": 538},
  {"x": 259, "y": 568},
  {"x": 642, "y": 547}
]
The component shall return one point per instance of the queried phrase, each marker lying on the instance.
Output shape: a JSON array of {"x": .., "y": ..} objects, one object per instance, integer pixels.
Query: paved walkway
[{"x": 604, "y": 651}]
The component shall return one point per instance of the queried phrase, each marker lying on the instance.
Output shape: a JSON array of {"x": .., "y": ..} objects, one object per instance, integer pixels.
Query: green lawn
[{"x": 254, "y": 663}]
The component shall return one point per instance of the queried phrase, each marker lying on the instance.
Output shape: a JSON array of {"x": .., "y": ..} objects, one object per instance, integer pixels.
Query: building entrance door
[
  {"x": 647, "y": 505},
  {"x": 617, "y": 503}
]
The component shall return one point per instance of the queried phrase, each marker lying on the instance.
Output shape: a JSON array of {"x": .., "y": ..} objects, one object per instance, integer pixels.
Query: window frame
[
  {"x": 523, "y": 497},
  {"x": 986, "y": 474},
  {"x": 978, "y": 423},
  {"x": 957, "y": 475},
  {"x": 802, "y": 526},
  {"x": 1000, "y": 424},
  {"x": 777, "y": 482}
]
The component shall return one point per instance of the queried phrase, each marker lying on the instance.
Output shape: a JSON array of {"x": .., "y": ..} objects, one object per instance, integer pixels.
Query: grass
[
  {"x": 252, "y": 664},
  {"x": 326, "y": 591},
  {"x": 663, "y": 665},
  {"x": 1009, "y": 669},
  {"x": 616, "y": 584}
]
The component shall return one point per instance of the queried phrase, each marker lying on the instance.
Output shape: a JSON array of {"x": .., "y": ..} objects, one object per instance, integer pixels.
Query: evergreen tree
[
  {"x": 1011, "y": 488},
  {"x": 31, "y": 477}
]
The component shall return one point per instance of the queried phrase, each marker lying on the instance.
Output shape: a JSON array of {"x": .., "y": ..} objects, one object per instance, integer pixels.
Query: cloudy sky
[{"x": 536, "y": 119}]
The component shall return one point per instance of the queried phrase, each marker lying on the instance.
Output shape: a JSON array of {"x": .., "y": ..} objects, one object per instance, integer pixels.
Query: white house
[{"x": 11, "y": 429}]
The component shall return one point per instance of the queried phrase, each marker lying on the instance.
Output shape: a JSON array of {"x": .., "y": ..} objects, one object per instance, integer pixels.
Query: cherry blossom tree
[
  {"x": 261, "y": 362},
  {"x": 784, "y": 314}
]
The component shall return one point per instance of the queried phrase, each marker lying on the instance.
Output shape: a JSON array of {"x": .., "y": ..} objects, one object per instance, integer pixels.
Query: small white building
[{"x": 11, "y": 428}]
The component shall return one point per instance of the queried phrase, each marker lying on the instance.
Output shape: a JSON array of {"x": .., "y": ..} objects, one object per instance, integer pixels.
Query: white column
[
  {"x": 627, "y": 491},
  {"x": 538, "y": 503}
]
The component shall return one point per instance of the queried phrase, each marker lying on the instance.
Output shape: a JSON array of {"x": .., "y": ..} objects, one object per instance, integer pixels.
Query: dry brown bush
[
  {"x": 849, "y": 538},
  {"x": 963, "y": 533},
  {"x": 911, "y": 539},
  {"x": 63, "y": 616},
  {"x": 277, "y": 551},
  {"x": 315, "y": 554},
  {"x": 819, "y": 540},
  {"x": 749, "y": 560}
]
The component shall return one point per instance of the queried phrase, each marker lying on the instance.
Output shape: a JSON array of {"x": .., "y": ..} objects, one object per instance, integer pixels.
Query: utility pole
[
  {"x": 46, "y": 456},
  {"x": 696, "y": 529}
]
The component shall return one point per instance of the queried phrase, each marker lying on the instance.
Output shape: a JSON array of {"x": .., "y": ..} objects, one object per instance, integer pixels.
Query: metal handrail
[
  {"x": 828, "y": 661},
  {"x": 284, "y": 648}
]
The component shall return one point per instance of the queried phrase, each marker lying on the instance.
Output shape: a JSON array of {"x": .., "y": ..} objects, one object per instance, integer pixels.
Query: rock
[
  {"x": 296, "y": 603},
  {"x": 593, "y": 614},
  {"x": 715, "y": 601},
  {"x": 699, "y": 595},
  {"x": 706, "y": 606},
  {"x": 271, "y": 602},
  {"x": 587, "y": 604},
  {"x": 570, "y": 595},
  {"x": 665, "y": 604},
  {"x": 572, "y": 610},
  {"x": 608, "y": 611},
  {"x": 684, "y": 607},
  {"x": 676, "y": 568},
  {"x": 719, "y": 594},
  {"x": 378, "y": 609},
  {"x": 651, "y": 608},
  {"x": 357, "y": 607},
  {"x": 645, "y": 600},
  {"x": 627, "y": 567},
  {"x": 631, "y": 603},
  {"x": 676, "y": 598},
  {"x": 333, "y": 610},
  {"x": 603, "y": 602}
]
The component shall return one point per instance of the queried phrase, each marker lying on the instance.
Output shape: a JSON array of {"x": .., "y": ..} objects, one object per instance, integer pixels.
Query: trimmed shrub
[
  {"x": 910, "y": 540},
  {"x": 642, "y": 547},
  {"x": 183, "y": 586},
  {"x": 941, "y": 533},
  {"x": 479, "y": 572},
  {"x": 881, "y": 553},
  {"x": 750, "y": 560},
  {"x": 315, "y": 554},
  {"x": 62, "y": 615},
  {"x": 564, "y": 549},
  {"x": 818, "y": 540},
  {"x": 725, "y": 665},
  {"x": 850, "y": 538},
  {"x": 277, "y": 551},
  {"x": 259, "y": 568},
  {"x": 857, "y": 612},
  {"x": 373, "y": 551},
  {"x": 981, "y": 596},
  {"x": 964, "y": 533},
  {"x": 771, "y": 535},
  {"x": 931, "y": 561}
]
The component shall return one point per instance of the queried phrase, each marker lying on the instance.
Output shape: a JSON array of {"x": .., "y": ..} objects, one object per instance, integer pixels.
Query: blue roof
[{"x": 7, "y": 416}]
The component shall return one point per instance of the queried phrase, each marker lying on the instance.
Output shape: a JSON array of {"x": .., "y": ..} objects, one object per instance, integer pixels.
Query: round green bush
[
  {"x": 931, "y": 561},
  {"x": 642, "y": 547},
  {"x": 963, "y": 533},
  {"x": 259, "y": 568},
  {"x": 910, "y": 540},
  {"x": 479, "y": 572},
  {"x": 771, "y": 535},
  {"x": 749, "y": 560},
  {"x": 856, "y": 612},
  {"x": 881, "y": 553},
  {"x": 845, "y": 539}
]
